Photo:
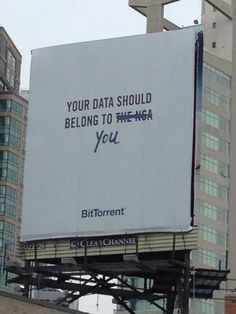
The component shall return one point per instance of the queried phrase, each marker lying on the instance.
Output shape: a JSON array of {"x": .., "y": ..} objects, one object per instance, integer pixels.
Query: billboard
[{"x": 110, "y": 137}]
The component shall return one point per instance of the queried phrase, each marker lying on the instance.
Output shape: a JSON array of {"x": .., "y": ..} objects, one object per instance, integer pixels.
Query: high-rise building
[
  {"x": 10, "y": 63},
  {"x": 13, "y": 122},
  {"x": 216, "y": 224},
  {"x": 217, "y": 169},
  {"x": 218, "y": 29}
]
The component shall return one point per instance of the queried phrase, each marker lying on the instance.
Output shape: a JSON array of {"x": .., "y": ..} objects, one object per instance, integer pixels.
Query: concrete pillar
[{"x": 155, "y": 13}]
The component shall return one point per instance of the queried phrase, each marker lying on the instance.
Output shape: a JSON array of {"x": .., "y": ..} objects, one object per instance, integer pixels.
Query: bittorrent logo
[{"x": 98, "y": 213}]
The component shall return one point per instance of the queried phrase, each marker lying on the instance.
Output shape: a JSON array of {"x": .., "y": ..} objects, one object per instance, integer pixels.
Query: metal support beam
[
  {"x": 73, "y": 294},
  {"x": 166, "y": 278},
  {"x": 179, "y": 287},
  {"x": 121, "y": 302},
  {"x": 186, "y": 287},
  {"x": 26, "y": 282},
  {"x": 170, "y": 304},
  {"x": 146, "y": 298}
]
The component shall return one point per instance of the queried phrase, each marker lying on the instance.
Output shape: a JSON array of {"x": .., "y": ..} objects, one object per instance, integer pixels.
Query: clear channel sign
[{"x": 110, "y": 137}]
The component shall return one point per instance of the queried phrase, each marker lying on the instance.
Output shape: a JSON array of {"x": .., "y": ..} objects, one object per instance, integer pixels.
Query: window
[
  {"x": 4, "y": 275},
  {"x": 217, "y": 76},
  {"x": 215, "y": 189},
  {"x": 213, "y": 44},
  {"x": 209, "y": 306},
  {"x": 214, "y": 25},
  {"x": 210, "y": 258},
  {"x": 9, "y": 165},
  {"x": 7, "y": 236},
  {"x": 216, "y": 121},
  {"x": 215, "y": 166},
  {"x": 213, "y": 212},
  {"x": 216, "y": 99},
  {"x": 11, "y": 68},
  {"x": 209, "y": 187},
  {"x": 212, "y": 235},
  {"x": 11, "y": 106},
  {"x": 8, "y": 201},
  {"x": 10, "y": 131},
  {"x": 215, "y": 143}
]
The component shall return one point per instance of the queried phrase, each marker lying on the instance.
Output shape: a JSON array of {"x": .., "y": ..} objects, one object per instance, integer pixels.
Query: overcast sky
[{"x": 38, "y": 23}]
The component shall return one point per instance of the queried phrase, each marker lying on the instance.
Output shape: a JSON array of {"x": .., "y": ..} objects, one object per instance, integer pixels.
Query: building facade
[
  {"x": 13, "y": 122},
  {"x": 10, "y": 63},
  {"x": 215, "y": 171},
  {"x": 218, "y": 30},
  {"x": 230, "y": 304},
  {"x": 216, "y": 197}
]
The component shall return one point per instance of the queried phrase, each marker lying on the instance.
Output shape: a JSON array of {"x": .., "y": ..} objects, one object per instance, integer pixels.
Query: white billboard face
[{"x": 109, "y": 141}]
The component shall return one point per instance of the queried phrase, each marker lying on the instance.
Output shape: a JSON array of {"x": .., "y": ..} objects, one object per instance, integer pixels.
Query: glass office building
[{"x": 13, "y": 122}]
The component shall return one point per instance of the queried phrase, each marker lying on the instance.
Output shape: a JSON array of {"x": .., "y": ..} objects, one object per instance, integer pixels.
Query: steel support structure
[{"x": 165, "y": 276}]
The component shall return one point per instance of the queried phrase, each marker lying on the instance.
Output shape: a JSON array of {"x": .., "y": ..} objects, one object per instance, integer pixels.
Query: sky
[{"x": 41, "y": 23}]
